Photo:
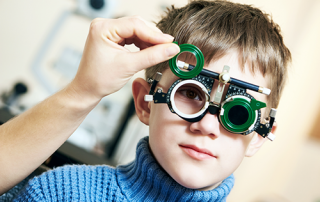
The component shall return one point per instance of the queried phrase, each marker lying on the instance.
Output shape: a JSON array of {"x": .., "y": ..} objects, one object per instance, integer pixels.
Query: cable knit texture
[{"x": 141, "y": 180}]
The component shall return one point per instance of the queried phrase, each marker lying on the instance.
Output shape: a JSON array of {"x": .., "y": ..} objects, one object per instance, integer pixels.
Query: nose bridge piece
[{"x": 213, "y": 108}]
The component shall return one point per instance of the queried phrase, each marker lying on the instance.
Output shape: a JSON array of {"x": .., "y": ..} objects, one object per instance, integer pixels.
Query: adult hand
[
  {"x": 30, "y": 138},
  {"x": 106, "y": 65}
]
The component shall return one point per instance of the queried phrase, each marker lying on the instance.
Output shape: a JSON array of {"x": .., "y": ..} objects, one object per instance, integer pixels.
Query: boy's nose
[{"x": 208, "y": 125}]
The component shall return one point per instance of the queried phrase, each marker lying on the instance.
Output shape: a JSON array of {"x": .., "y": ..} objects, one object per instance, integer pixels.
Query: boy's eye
[
  {"x": 191, "y": 94},
  {"x": 189, "y": 99}
]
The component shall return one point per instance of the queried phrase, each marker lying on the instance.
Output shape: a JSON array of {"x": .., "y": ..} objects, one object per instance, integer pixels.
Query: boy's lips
[{"x": 197, "y": 153}]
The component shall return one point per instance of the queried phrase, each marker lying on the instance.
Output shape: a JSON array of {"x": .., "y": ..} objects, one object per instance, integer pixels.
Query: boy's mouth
[{"x": 197, "y": 153}]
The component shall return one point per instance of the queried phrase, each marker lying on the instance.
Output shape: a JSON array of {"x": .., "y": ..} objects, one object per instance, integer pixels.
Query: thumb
[{"x": 153, "y": 55}]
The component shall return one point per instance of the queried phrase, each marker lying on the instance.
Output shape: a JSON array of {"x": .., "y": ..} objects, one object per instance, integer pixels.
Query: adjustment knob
[
  {"x": 148, "y": 98},
  {"x": 271, "y": 136},
  {"x": 226, "y": 77}
]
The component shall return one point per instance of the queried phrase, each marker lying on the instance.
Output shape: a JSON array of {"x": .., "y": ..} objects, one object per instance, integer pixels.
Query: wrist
[{"x": 78, "y": 99}]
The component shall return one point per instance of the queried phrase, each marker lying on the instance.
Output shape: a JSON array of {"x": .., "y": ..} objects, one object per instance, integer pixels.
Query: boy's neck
[{"x": 210, "y": 187}]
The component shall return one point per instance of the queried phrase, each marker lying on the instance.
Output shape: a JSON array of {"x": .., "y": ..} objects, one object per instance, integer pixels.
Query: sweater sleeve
[
  {"x": 73, "y": 183},
  {"x": 13, "y": 192},
  {"x": 31, "y": 192}
]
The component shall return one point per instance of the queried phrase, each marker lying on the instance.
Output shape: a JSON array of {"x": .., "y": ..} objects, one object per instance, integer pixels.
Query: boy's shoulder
[
  {"x": 78, "y": 173},
  {"x": 75, "y": 174},
  {"x": 76, "y": 182}
]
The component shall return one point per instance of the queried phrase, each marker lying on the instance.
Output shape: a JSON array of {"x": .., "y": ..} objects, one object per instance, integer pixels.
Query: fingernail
[
  {"x": 169, "y": 36},
  {"x": 172, "y": 50}
]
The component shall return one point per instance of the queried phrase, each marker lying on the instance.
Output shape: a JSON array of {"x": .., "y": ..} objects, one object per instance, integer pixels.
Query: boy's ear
[
  {"x": 140, "y": 88},
  {"x": 257, "y": 141}
]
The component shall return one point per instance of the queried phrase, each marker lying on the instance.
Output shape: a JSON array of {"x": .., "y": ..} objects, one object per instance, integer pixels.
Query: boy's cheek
[
  {"x": 164, "y": 124},
  {"x": 161, "y": 113}
]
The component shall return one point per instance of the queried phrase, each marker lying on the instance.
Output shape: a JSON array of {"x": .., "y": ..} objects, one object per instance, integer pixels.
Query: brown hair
[{"x": 218, "y": 26}]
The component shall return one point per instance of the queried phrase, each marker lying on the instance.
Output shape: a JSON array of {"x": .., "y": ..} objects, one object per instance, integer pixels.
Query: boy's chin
[
  {"x": 200, "y": 186},
  {"x": 191, "y": 181}
]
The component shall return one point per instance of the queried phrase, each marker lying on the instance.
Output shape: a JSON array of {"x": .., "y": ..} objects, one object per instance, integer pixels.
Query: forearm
[
  {"x": 106, "y": 66},
  {"x": 30, "y": 138}
]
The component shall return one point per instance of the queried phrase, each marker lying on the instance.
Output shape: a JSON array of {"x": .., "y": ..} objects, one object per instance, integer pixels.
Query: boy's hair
[{"x": 218, "y": 26}]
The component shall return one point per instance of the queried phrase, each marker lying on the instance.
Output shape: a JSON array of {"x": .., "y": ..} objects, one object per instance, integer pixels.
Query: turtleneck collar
[{"x": 145, "y": 180}]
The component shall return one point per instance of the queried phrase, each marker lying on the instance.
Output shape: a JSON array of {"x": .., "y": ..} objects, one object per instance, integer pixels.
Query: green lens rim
[
  {"x": 198, "y": 68},
  {"x": 238, "y": 128}
]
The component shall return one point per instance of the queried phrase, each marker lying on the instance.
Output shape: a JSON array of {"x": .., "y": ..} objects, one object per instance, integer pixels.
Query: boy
[
  {"x": 182, "y": 160},
  {"x": 230, "y": 34}
]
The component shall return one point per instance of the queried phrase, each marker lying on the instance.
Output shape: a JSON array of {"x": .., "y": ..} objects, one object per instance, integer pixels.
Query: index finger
[{"x": 117, "y": 30}]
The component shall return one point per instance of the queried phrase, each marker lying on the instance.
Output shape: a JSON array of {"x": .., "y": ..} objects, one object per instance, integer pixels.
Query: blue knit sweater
[{"x": 141, "y": 180}]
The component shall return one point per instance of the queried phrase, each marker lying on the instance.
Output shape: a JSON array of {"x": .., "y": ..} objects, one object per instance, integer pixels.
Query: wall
[
  {"x": 283, "y": 170},
  {"x": 273, "y": 169}
]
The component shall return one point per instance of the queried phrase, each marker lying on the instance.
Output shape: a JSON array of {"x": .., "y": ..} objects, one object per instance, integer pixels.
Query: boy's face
[{"x": 176, "y": 143}]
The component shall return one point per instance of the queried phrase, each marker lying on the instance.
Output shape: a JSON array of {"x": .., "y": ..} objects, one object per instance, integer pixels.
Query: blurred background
[{"x": 41, "y": 44}]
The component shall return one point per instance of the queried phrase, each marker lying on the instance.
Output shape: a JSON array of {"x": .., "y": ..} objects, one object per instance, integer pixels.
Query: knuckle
[
  {"x": 98, "y": 23},
  {"x": 136, "y": 20},
  {"x": 138, "y": 17},
  {"x": 94, "y": 24}
]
